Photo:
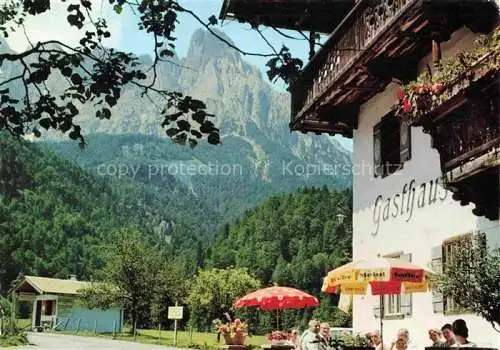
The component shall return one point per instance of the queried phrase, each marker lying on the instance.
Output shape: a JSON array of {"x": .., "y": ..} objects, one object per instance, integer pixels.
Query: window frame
[
  {"x": 393, "y": 304},
  {"x": 383, "y": 164}
]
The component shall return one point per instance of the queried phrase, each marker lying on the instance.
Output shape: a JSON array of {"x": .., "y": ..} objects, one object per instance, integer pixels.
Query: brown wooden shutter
[
  {"x": 406, "y": 299},
  {"x": 377, "y": 150},
  {"x": 404, "y": 142},
  {"x": 437, "y": 266}
]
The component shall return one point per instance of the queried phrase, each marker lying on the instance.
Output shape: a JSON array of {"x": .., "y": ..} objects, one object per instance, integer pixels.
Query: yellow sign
[
  {"x": 354, "y": 288},
  {"x": 415, "y": 287},
  {"x": 337, "y": 278},
  {"x": 373, "y": 275}
]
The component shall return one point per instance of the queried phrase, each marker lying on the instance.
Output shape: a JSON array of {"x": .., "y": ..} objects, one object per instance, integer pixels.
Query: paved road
[{"x": 48, "y": 341}]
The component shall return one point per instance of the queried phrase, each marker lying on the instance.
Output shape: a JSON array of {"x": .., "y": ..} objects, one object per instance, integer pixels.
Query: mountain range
[{"x": 258, "y": 156}]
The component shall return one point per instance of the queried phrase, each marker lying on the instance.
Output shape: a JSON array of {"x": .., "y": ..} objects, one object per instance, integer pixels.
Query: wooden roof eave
[
  {"x": 346, "y": 74},
  {"x": 26, "y": 280},
  {"x": 306, "y": 15}
]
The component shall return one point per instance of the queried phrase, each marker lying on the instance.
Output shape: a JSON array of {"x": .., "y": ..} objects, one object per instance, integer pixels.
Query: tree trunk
[{"x": 134, "y": 319}]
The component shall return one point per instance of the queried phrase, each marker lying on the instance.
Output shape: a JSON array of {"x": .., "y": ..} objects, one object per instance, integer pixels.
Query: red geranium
[
  {"x": 406, "y": 106},
  {"x": 278, "y": 335}
]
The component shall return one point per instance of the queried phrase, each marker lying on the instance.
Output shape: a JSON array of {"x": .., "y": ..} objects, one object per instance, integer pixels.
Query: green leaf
[
  {"x": 66, "y": 71},
  {"x": 197, "y": 133},
  {"x": 76, "y": 79},
  {"x": 87, "y": 4},
  {"x": 74, "y": 135},
  {"x": 183, "y": 125},
  {"x": 214, "y": 138},
  {"x": 172, "y": 131},
  {"x": 118, "y": 8},
  {"x": 212, "y": 20},
  {"x": 45, "y": 123},
  {"x": 106, "y": 113},
  {"x": 207, "y": 127},
  {"x": 199, "y": 116},
  {"x": 110, "y": 100},
  {"x": 180, "y": 139}
]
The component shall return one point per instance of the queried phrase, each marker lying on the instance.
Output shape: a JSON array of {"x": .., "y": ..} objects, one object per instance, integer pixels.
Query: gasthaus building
[{"x": 426, "y": 156}]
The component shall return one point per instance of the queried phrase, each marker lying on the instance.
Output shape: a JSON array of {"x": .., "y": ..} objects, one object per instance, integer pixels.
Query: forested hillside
[
  {"x": 292, "y": 240},
  {"x": 57, "y": 219},
  {"x": 225, "y": 178},
  {"x": 55, "y": 216}
]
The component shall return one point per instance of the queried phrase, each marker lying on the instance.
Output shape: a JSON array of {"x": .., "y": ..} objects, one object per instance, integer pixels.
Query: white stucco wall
[{"x": 415, "y": 230}]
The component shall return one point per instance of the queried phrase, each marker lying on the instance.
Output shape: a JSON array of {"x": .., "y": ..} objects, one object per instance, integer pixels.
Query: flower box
[{"x": 430, "y": 96}]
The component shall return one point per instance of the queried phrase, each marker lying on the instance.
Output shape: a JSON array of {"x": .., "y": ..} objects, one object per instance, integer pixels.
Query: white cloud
[{"x": 53, "y": 25}]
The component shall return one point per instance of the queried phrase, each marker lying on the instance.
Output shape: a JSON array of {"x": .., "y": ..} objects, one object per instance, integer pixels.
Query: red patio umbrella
[{"x": 277, "y": 298}]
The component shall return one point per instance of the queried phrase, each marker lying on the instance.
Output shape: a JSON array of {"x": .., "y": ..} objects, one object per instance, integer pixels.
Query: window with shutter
[
  {"x": 405, "y": 142},
  {"x": 406, "y": 299},
  {"x": 397, "y": 305},
  {"x": 391, "y": 145},
  {"x": 437, "y": 266}
]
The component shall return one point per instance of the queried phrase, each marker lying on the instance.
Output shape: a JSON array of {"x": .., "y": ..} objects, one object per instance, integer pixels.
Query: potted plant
[{"x": 233, "y": 332}]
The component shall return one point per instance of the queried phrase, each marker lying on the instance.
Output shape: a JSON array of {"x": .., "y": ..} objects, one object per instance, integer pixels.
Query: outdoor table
[
  {"x": 233, "y": 347},
  {"x": 277, "y": 346}
]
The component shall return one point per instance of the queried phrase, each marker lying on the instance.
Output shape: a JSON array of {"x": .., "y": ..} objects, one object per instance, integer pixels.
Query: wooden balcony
[
  {"x": 466, "y": 134},
  {"x": 375, "y": 43}
]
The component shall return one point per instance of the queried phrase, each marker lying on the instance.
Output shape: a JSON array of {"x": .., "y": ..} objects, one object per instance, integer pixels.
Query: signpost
[{"x": 175, "y": 313}]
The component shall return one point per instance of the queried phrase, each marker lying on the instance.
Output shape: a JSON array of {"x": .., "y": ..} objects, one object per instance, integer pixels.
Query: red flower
[
  {"x": 437, "y": 88},
  {"x": 406, "y": 106},
  {"x": 400, "y": 94}
]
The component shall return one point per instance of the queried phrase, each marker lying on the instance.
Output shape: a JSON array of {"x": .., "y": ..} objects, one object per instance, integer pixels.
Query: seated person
[
  {"x": 435, "y": 337},
  {"x": 461, "y": 334}
]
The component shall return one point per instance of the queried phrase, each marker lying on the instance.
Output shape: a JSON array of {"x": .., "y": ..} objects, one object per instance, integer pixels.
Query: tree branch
[
  {"x": 268, "y": 43},
  {"x": 286, "y": 35},
  {"x": 13, "y": 78}
]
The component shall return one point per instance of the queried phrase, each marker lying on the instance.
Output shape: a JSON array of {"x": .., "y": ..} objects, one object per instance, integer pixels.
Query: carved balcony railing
[
  {"x": 468, "y": 134},
  {"x": 467, "y": 137},
  {"x": 352, "y": 38},
  {"x": 377, "y": 41}
]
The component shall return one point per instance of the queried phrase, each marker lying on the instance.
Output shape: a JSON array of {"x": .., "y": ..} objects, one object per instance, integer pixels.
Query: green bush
[
  {"x": 15, "y": 338},
  {"x": 349, "y": 339}
]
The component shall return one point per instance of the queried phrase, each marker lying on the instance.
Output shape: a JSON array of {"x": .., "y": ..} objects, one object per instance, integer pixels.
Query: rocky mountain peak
[{"x": 205, "y": 46}]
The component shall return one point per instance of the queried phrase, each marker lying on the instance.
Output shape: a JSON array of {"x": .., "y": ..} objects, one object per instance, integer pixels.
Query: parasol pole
[
  {"x": 278, "y": 319},
  {"x": 381, "y": 320}
]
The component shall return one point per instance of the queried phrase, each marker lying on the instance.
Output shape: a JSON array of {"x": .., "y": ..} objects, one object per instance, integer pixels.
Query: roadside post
[{"x": 175, "y": 313}]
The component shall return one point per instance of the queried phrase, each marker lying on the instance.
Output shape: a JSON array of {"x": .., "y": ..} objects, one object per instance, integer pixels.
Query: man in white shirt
[{"x": 310, "y": 338}]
